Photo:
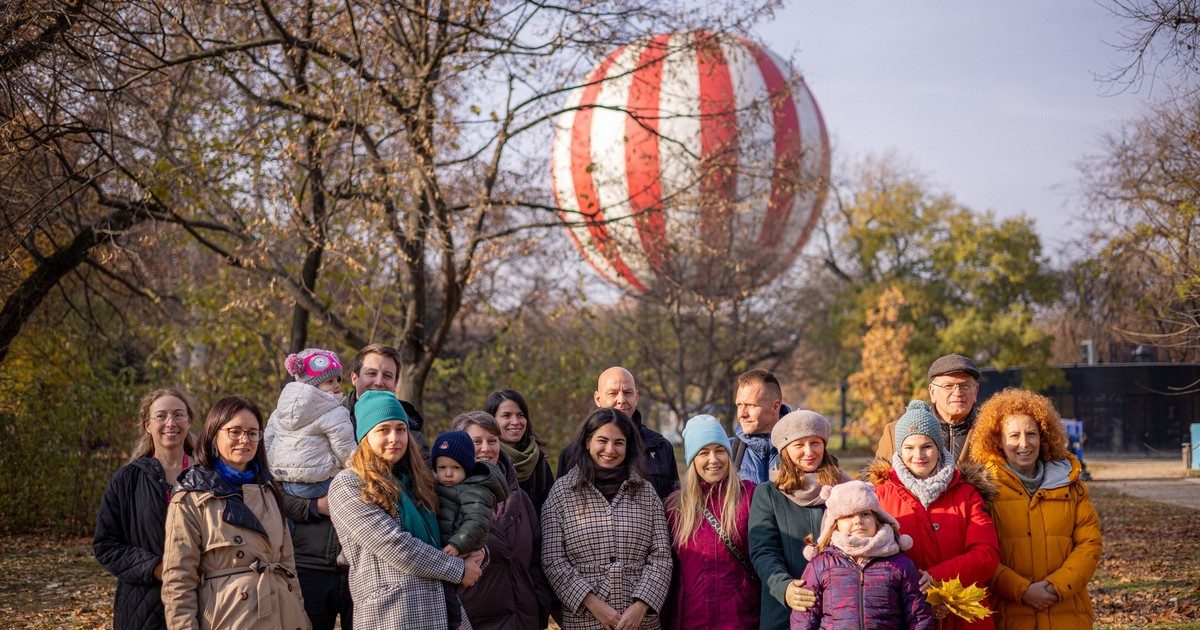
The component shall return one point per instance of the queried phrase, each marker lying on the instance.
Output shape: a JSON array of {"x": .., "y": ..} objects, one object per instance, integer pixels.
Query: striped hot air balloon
[{"x": 691, "y": 160}]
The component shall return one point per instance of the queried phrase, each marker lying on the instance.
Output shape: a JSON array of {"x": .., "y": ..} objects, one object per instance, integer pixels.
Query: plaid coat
[
  {"x": 395, "y": 579},
  {"x": 618, "y": 552}
]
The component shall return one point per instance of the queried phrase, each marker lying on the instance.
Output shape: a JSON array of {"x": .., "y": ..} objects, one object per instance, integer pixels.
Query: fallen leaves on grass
[{"x": 1149, "y": 574}]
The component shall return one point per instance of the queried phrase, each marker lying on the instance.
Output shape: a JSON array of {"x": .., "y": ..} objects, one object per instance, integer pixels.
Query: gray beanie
[
  {"x": 799, "y": 424},
  {"x": 919, "y": 419}
]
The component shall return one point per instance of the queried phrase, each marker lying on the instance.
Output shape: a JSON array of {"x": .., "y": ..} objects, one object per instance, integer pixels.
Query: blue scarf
[
  {"x": 417, "y": 520},
  {"x": 760, "y": 456},
  {"x": 234, "y": 478}
]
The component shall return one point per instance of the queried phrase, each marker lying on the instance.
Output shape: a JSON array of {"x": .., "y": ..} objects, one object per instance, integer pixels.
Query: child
[
  {"x": 860, "y": 577},
  {"x": 310, "y": 437},
  {"x": 467, "y": 491}
]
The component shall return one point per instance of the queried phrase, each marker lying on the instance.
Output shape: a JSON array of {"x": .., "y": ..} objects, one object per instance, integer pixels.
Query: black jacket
[
  {"x": 129, "y": 541},
  {"x": 658, "y": 459}
]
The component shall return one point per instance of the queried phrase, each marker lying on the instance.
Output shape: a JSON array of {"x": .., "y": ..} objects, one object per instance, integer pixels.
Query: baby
[
  {"x": 309, "y": 437},
  {"x": 857, "y": 569},
  {"x": 467, "y": 492}
]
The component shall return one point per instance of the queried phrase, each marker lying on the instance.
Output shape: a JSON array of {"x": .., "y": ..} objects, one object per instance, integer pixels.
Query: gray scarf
[
  {"x": 809, "y": 494},
  {"x": 1031, "y": 483},
  {"x": 926, "y": 490}
]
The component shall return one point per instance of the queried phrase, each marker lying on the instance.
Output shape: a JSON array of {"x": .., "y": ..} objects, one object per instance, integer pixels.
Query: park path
[{"x": 1161, "y": 480}]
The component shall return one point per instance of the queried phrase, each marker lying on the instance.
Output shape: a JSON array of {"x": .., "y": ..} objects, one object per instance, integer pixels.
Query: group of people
[{"x": 339, "y": 509}]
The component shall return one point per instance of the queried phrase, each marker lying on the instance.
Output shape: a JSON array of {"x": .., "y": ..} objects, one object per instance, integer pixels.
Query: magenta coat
[{"x": 710, "y": 588}]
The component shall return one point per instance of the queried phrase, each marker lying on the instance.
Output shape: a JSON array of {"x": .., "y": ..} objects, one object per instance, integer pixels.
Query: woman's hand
[
  {"x": 926, "y": 582},
  {"x": 323, "y": 506},
  {"x": 158, "y": 571},
  {"x": 940, "y": 611},
  {"x": 633, "y": 616},
  {"x": 471, "y": 570},
  {"x": 449, "y": 550},
  {"x": 1039, "y": 595},
  {"x": 799, "y": 598},
  {"x": 603, "y": 613}
]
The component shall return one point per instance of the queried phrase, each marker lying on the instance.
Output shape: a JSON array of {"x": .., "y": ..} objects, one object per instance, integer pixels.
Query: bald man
[{"x": 615, "y": 388}]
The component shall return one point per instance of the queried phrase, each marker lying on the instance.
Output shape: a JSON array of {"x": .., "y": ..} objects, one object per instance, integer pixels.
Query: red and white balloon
[{"x": 692, "y": 160}]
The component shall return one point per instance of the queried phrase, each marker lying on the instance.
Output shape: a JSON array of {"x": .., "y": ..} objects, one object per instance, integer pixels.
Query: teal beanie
[
  {"x": 701, "y": 431},
  {"x": 374, "y": 407},
  {"x": 919, "y": 419}
]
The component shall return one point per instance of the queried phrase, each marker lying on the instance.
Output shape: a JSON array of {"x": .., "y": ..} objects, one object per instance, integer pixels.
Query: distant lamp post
[{"x": 842, "y": 387}]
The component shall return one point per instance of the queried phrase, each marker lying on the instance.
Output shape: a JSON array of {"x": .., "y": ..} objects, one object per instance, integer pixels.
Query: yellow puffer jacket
[{"x": 1053, "y": 535}]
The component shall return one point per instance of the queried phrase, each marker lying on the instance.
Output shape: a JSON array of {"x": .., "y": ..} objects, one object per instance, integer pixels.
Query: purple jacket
[{"x": 885, "y": 594}]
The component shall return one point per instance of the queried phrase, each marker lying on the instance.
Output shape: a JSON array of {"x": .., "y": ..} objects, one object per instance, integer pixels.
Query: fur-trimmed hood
[{"x": 880, "y": 470}]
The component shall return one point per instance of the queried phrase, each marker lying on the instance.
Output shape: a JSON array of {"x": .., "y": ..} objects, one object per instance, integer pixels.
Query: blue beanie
[
  {"x": 919, "y": 419},
  {"x": 701, "y": 431},
  {"x": 373, "y": 407},
  {"x": 456, "y": 445}
]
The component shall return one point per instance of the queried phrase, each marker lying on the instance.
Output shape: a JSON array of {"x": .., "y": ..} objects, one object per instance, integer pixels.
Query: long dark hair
[
  {"x": 492, "y": 405},
  {"x": 222, "y": 412},
  {"x": 633, "y": 443}
]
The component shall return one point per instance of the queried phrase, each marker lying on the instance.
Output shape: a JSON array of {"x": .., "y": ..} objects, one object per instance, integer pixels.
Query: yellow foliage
[{"x": 963, "y": 601}]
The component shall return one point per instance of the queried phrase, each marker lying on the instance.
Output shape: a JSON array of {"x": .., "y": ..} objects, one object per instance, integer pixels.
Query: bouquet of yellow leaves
[{"x": 961, "y": 600}]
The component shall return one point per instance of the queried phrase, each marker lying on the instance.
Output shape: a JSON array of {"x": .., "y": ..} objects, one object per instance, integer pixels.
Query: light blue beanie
[
  {"x": 374, "y": 407},
  {"x": 701, "y": 431}
]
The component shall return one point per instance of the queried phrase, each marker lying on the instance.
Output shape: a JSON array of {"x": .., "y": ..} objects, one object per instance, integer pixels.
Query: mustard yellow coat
[{"x": 1053, "y": 535}]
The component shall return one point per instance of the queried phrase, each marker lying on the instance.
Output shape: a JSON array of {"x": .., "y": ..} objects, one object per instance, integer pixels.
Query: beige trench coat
[{"x": 208, "y": 575}]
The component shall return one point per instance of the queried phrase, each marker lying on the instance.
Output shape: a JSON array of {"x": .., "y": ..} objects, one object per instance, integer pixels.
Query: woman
[
  {"x": 133, "y": 514},
  {"x": 715, "y": 585},
  {"x": 940, "y": 507},
  {"x": 383, "y": 507},
  {"x": 787, "y": 509},
  {"x": 1049, "y": 533},
  {"x": 228, "y": 561},
  {"x": 513, "y": 593},
  {"x": 522, "y": 445},
  {"x": 605, "y": 545}
]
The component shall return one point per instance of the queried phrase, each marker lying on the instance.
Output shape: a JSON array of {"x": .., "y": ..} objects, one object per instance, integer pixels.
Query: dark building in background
[{"x": 1131, "y": 408}]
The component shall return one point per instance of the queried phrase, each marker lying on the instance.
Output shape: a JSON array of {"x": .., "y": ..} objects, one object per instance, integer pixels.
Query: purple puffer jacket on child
[{"x": 884, "y": 594}]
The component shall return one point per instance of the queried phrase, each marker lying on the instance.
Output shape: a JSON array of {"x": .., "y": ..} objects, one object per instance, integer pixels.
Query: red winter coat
[
  {"x": 954, "y": 538},
  {"x": 710, "y": 588}
]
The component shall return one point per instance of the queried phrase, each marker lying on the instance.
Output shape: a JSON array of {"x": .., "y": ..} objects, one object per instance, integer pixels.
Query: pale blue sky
[{"x": 994, "y": 102}]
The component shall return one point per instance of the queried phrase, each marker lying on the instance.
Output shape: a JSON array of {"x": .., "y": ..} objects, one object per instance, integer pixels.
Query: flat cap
[{"x": 952, "y": 363}]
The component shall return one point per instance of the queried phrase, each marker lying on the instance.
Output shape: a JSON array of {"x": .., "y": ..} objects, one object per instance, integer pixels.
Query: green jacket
[
  {"x": 777, "y": 530},
  {"x": 465, "y": 510}
]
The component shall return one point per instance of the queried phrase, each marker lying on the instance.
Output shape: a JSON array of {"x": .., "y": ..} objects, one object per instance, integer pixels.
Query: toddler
[
  {"x": 310, "y": 437},
  {"x": 860, "y": 577},
  {"x": 467, "y": 492}
]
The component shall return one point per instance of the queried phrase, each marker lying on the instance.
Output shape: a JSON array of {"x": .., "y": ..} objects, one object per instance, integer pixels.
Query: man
[
  {"x": 953, "y": 385},
  {"x": 759, "y": 403},
  {"x": 615, "y": 388},
  {"x": 324, "y": 582},
  {"x": 378, "y": 367}
]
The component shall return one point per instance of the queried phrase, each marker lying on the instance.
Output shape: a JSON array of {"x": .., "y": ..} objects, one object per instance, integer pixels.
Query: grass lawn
[{"x": 1149, "y": 575}]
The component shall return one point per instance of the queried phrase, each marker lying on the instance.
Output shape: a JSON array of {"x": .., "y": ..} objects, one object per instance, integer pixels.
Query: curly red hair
[{"x": 987, "y": 440}]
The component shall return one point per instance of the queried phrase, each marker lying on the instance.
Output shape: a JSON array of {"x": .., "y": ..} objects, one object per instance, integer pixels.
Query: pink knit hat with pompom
[
  {"x": 846, "y": 499},
  {"x": 313, "y": 366}
]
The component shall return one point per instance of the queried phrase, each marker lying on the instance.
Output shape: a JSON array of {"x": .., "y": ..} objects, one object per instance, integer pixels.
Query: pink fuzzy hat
[
  {"x": 313, "y": 366},
  {"x": 850, "y": 498}
]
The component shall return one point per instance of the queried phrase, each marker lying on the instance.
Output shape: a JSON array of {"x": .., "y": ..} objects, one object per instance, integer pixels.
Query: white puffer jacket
[{"x": 309, "y": 437}]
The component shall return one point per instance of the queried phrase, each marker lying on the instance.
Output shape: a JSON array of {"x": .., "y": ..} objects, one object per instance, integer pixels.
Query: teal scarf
[{"x": 418, "y": 521}]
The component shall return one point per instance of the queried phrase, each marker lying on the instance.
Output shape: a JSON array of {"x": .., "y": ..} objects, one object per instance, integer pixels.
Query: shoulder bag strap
[{"x": 737, "y": 553}]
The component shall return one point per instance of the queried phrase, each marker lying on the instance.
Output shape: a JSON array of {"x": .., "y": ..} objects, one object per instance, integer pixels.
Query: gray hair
[{"x": 481, "y": 419}]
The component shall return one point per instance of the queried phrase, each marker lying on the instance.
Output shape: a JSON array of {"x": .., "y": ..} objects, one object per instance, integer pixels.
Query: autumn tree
[
  {"x": 1161, "y": 39},
  {"x": 883, "y": 384},
  {"x": 1141, "y": 278}
]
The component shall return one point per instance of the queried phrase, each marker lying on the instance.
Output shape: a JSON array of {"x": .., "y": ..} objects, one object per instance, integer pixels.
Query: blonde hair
[
  {"x": 380, "y": 484},
  {"x": 689, "y": 504},
  {"x": 791, "y": 478},
  {"x": 143, "y": 446}
]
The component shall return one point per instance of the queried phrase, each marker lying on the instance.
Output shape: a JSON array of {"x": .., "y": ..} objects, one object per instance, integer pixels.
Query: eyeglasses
[
  {"x": 955, "y": 388},
  {"x": 178, "y": 416},
  {"x": 236, "y": 433}
]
